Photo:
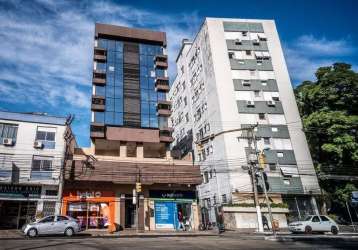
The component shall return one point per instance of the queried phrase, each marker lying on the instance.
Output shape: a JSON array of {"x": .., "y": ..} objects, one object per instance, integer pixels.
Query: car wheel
[
  {"x": 32, "y": 232},
  {"x": 308, "y": 230},
  {"x": 69, "y": 232},
  {"x": 334, "y": 230}
]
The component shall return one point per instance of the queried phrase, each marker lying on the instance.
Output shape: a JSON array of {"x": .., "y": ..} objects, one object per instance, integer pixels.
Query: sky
[{"x": 47, "y": 45}]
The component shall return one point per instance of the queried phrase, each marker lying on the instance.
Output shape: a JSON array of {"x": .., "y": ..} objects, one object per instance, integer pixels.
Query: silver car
[
  {"x": 314, "y": 223},
  {"x": 58, "y": 224}
]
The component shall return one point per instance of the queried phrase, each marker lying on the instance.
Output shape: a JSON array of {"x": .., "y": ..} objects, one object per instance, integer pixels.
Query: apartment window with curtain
[
  {"x": 8, "y": 131},
  {"x": 5, "y": 167},
  {"x": 47, "y": 136},
  {"x": 42, "y": 167}
]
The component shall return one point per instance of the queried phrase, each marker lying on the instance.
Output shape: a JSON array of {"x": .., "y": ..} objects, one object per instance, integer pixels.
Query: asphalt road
[{"x": 168, "y": 243}]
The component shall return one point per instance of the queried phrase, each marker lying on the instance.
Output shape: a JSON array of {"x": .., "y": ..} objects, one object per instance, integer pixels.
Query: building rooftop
[{"x": 32, "y": 117}]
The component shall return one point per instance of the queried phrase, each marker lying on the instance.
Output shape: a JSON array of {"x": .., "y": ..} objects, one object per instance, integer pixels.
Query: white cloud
[
  {"x": 47, "y": 45},
  {"x": 307, "y": 53}
]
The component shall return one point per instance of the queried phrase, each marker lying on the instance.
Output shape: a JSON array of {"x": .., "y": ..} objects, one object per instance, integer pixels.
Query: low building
[
  {"x": 32, "y": 153},
  {"x": 128, "y": 177}
]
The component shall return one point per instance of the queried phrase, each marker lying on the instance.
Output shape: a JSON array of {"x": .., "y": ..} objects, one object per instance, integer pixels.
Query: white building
[
  {"x": 234, "y": 75},
  {"x": 32, "y": 148}
]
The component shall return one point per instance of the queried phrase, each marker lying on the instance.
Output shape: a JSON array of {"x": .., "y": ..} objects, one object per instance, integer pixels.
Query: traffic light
[{"x": 138, "y": 187}]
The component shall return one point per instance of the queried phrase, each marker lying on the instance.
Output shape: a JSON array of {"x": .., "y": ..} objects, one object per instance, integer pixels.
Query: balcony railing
[
  {"x": 164, "y": 108},
  {"x": 97, "y": 130},
  {"x": 41, "y": 175},
  {"x": 161, "y": 61},
  {"x": 165, "y": 134},
  {"x": 162, "y": 84},
  {"x": 98, "y": 103}
]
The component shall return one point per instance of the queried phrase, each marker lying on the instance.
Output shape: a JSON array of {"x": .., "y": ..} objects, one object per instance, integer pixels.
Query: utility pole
[{"x": 250, "y": 137}]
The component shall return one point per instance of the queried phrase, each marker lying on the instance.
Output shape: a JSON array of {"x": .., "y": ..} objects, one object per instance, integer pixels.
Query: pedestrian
[
  {"x": 180, "y": 220},
  {"x": 265, "y": 222}
]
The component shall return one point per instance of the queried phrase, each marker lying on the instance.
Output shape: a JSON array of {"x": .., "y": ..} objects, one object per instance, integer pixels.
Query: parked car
[
  {"x": 58, "y": 224},
  {"x": 314, "y": 223}
]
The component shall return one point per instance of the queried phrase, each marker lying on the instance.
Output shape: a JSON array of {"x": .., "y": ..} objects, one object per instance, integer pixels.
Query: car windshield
[{"x": 307, "y": 218}]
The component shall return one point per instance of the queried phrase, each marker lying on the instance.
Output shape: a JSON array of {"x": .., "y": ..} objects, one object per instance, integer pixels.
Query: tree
[{"x": 329, "y": 109}]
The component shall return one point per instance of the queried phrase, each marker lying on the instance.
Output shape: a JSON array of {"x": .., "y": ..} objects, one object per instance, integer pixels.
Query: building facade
[
  {"x": 32, "y": 154},
  {"x": 128, "y": 177},
  {"x": 233, "y": 75}
]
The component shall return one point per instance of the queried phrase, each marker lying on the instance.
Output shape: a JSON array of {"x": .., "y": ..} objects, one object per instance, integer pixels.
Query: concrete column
[
  {"x": 123, "y": 150},
  {"x": 122, "y": 211},
  {"x": 117, "y": 209},
  {"x": 195, "y": 215},
  {"x": 140, "y": 151}
]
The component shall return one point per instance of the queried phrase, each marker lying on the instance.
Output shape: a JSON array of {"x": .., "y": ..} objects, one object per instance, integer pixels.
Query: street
[{"x": 227, "y": 241}]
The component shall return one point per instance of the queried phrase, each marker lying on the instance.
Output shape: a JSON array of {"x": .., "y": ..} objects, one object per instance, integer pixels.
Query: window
[
  {"x": 324, "y": 218},
  {"x": 46, "y": 136},
  {"x": 257, "y": 93},
  {"x": 41, "y": 167},
  {"x": 274, "y": 129},
  {"x": 315, "y": 219},
  {"x": 5, "y": 166},
  {"x": 244, "y": 33},
  {"x": 98, "y": 117},
  {"x": 48, "y": 208},
  {"x": 8, "y": 131},
  {"x": 231, "y": 55},
  {"x": 259, "y": 62},
  {"x": 61, "y": 218},
  {"x": 223, "y": 198},
  {"x": 185, "y": 101},
  {"x": 261, "y": 116},
  {"x": 187, "y": 117},
  {"x": 280, "y": 154},
  {"x": 264, "y": 83},
  {"x": 267, "y": 141},
  {"x": 206, "y": 177},
  {"x": 47, "y": 219},
  {"x": 248, "y": 52},
  {"x": 51, "y": 192}
]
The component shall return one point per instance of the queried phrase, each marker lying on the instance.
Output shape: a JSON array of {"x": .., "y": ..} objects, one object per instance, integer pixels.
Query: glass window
[
  {"x": 150, "y": 61},
  {"x": 143, "y": 82},
  {"x": 153, "y": 121},
  {"x": 324, "y": 218},
  {"x": 118, "y": 118},
  {"x": 100, "y": 90},
  {"x": 142, "y": 49},
  {"x": 143, "y": 71},
  {"x": 99, "y": 117},
  {"x": 151, "y": 83},
  {"x": 118, "y": 79},
  {"x": 163, "y": 122},
  {"x": 118, "y": 91},
  {"x": 110, "y": 79},
  {"x": 118, "y": 105},
  {"x": 61, "y": 218},
  {"x": 153, "y": 95},
  {"x": 109, "y": 104},
  {"x": 111, "y": 56},
  {"x": 153, "y": 108},
  {"x": 119, "y": 46},
  {"x": 111, "y": 45},
  {"x": 40, "y": 135},
  {"x": 159, "y": 72},
  {"x": 144, "y": 121},
  {"x": 315, "y": 219},
  {"x": 109, "y": 92},
  {"x": 109, "y": 118},
  {"x": 162, "y": 97},
  {"x": 144, "y": 108},
  {"x": 101, "y": 66},
  {"x": 46, "y": 137},
  {"x": 144, "y": 95},
  {"x": 47, "y": 219},
  {"x": 102, "y": 43},
  {"x": 41, "y": 163}
]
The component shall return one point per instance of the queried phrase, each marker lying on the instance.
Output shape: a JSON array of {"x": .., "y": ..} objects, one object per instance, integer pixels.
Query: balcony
[
  {"x": 98, "y": 103},
  {"x": 97, "y": 130},
  {"x": 99, "y": 77},
  {"x": 161, "y": 61},
  {"x": 165, "y": 134},
  {"x": 162, "y": 84},
  {"x": 163, "y": 108}
]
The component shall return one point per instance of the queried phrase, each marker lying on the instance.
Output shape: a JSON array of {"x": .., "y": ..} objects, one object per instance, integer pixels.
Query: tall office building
[
  {"x": 233, "y": 75},
  {"x": 130, "y": 140}
]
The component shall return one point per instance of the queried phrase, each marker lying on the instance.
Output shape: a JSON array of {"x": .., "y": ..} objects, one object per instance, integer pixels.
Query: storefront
[
  {"x": 95, "y": 209},
  {"x": 170, "y": 206},
  {"x": 18, "y": 204}
]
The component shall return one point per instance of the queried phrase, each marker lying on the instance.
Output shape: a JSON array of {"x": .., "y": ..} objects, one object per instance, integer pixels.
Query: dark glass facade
[{"x": 113, "y": 89}]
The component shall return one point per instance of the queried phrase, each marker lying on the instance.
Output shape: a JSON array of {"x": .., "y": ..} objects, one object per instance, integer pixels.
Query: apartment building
[
  {"x": 128, "y": 177},
  {"x": 233, "y": 75},
  {"x": 32, "y": 153}
]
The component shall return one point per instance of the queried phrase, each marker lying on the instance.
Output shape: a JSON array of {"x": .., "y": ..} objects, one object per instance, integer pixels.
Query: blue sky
[{"x": 47, "y": 45}]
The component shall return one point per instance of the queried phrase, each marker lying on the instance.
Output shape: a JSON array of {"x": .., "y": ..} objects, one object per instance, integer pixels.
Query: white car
[
  {"x": 58, "y": 224},
  {"x": 314, "y": 223}
]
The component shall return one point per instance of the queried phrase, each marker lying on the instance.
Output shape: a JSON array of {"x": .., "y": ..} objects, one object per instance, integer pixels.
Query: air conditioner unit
[
  {"x": 8, "y": 141},
  {"x": 38, "y": 144},
  {"x": 250, "y": 103},
  {"x": 271, "y": 103}
]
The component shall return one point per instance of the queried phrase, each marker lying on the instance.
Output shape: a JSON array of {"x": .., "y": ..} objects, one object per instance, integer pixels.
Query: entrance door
[{"x": 130, "y": 213}]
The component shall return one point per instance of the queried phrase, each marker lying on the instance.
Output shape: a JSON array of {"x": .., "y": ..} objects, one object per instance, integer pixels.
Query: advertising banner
[{"x": 165, "y": 214}]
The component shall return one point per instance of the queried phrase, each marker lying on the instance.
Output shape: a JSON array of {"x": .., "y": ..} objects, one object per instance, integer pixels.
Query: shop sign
[
  {"x": 89, "y": 195},
  {"x": 19, "y": 191},
  {"x": 165, "y": 212},
  {"x": 172, "y": 194}
]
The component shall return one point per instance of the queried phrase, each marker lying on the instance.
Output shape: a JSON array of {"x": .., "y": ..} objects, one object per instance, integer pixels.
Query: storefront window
[{"x": 90, "y": 215}]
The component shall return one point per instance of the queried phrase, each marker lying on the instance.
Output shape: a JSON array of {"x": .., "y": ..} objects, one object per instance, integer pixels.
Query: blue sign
[{"x": 165, "y": 214}]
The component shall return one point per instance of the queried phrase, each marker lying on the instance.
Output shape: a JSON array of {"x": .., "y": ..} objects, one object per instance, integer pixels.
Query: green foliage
[
  {"x": 329, "y": 109},
  {"x": 273, "y": 205}
]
